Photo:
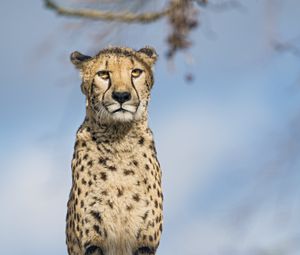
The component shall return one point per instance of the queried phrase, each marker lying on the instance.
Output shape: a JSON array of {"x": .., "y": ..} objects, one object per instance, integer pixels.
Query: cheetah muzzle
[{"x": 115, "y": 203}]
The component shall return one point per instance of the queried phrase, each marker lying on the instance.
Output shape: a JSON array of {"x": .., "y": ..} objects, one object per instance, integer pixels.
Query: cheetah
[{"x": 115, "y": 203}]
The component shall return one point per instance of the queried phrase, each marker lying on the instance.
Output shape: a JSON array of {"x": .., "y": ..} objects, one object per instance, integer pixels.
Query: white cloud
[
  {"x": 194, "y": 142},
  {"x": 212, "y": 235},
  {"x": 33, "y": 202},
  {"x": 193, "y": 146}
]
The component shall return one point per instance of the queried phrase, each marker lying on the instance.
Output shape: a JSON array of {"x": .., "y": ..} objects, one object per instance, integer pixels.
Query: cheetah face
[
  {"x": 118, "y": 91},
  {"x": 117, "y": 82}
]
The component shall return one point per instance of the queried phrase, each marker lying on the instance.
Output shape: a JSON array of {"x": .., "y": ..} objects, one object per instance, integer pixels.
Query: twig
[
  {"x": 286, "y": 47},
  {"x": 107, "y": 15},
  {"x": 222, "y": 6}
]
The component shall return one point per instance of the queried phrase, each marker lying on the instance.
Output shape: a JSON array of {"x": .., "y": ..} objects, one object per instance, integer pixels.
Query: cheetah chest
[{"x": 121, "y": 200}]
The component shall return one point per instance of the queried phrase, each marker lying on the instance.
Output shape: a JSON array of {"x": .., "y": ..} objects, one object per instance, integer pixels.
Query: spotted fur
[{"x": 115, "y": 203}]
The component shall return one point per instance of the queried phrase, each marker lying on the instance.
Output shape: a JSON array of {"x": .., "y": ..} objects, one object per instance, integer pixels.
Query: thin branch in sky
[
  {"x": 286, "y": 47},
  {"x": 182, "y": 16},
  {"x": 125, "y": 16}
]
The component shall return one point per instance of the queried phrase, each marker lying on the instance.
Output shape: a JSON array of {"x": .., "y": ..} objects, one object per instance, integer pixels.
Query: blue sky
[{"x": 231, "y": 182}]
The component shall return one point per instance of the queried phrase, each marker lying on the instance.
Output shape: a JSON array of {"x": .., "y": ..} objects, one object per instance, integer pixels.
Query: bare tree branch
[
  {"x": 286, "y": 47},
  {"x": 107, "y": 15},
  {"x": 182, "y": 17}
]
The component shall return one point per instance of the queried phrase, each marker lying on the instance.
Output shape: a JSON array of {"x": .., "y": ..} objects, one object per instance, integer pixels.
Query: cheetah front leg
[
  {"x": 145, "y": 251},
  {"x": 93, "y": 250},
  {"x": 74, "y": 249}
]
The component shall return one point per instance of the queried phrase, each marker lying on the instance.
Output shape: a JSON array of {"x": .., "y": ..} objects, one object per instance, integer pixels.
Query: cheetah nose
[{"x": 121, "y": 97}]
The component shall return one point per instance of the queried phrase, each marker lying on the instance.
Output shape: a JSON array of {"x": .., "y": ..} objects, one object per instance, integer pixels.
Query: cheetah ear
[
  {"x": 148, "y": 54},
  {"x": 78, "y": 59}
]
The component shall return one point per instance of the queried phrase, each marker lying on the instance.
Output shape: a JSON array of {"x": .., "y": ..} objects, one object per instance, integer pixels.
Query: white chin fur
[
  {"x": 122, "y": 116},
  {"x": 113, "y": 107},
  {"x": 129, "y": 108}
]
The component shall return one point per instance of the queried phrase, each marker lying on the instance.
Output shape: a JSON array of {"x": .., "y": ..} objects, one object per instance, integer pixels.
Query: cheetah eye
[
  {"x": 103, "y": 75},
  {"x": 136, "y": 73}
]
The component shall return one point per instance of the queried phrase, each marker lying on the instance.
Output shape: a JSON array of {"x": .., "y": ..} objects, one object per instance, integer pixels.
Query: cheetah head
[{"x": 117, "y": 82}]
